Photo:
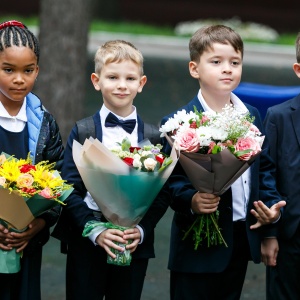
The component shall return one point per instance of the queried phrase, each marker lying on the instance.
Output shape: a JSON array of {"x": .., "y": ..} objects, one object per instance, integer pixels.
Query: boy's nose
[{"x": 227, "y": 67}]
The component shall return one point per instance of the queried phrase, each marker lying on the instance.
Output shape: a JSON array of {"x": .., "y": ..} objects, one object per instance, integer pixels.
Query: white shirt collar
[
  {"x": 20, "y": 116},
  {"x": 104, "y": 111},
  {"x": 238, "y": 104}
]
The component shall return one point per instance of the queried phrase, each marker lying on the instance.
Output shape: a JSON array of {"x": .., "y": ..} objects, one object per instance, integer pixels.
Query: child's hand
[
  {"x": 203, "y": 203},
  {"x": 132, "y": 234},
  {"x": 264, "y": 214},
  {"x": 4, "y": 234},
  {"x": 269, "y": 251},
  {"x": 21, "y": 240},
  {"x": 107, "y": 238}
]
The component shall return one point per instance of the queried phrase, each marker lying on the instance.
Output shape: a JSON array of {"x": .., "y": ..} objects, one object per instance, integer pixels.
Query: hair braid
[{"x": 18, "y": 36}]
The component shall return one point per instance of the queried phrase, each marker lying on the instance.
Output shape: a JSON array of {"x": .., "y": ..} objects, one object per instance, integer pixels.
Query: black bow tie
[{"x": 127, "y": 125}]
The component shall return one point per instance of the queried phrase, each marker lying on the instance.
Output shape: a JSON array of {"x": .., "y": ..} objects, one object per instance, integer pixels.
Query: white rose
[
  {"x": 137, "y": 163},
  {"x": 2, "y": 181},
  {"x": 150, "y": 164}
]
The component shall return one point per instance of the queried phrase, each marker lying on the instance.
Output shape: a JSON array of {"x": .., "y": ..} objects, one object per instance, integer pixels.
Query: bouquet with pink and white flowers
[
  {"x": 210, "y": 133},
  {"x": 215, "y": 149}
]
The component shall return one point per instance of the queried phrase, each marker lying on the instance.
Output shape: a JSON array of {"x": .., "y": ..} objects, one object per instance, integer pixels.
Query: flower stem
[{"x": 218, "y": 230}]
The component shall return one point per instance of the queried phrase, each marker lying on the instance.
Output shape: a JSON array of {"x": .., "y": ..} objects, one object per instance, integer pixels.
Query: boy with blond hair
[{"x": 119, "y": 77}]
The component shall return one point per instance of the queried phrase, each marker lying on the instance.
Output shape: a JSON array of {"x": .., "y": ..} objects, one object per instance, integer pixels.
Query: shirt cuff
[
  {"x": 141, "y": 232},
  {"x": 94, "y": 235},
  {"x": 277, "y": 219}
]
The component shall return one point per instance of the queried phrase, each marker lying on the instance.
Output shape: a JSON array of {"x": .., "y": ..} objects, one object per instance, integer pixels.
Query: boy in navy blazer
[
  {"x": 282, "y": 124},
  {"x": 218, "y": 272},
  {"x": 119, "y": 76}
]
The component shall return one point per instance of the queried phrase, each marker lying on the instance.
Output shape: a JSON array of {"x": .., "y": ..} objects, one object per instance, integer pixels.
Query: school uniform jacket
[
  {"x": 183, "y": 257},
  {"x": 282, "y": 125},
  {"x": 76, "y": 213}
]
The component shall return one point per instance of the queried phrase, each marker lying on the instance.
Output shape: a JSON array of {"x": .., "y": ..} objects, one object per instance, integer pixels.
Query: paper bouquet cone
[
  {"x": 212, "y": 173},
  {"x": 122, "y": 193}
]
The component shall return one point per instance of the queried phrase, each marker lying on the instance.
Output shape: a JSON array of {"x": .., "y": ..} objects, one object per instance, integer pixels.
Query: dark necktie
[{"x": 112, "y": 121}]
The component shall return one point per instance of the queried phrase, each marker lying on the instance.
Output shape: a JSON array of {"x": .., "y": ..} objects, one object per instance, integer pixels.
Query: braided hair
[{"x": 14, "y": 33}]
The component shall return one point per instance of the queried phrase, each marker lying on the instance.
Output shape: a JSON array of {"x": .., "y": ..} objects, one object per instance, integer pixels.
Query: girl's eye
[
  {"x": 28, "y": 71},
  {"x": 215, "y": 62},
  {"x": 235, "y": 63},
  {"x": 8, "y": 70}
]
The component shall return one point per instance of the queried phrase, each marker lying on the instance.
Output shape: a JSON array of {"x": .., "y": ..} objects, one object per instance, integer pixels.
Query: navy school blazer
[{"x": 183, "y": 257}]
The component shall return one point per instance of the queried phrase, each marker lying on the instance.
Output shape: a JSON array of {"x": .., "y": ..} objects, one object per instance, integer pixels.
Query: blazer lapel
[
  {"x": 295, "y": 106},
  {"x": 195, "y": 102},
  {"x": 98, "y": 127},
  {"x": 140, "y": 128}
]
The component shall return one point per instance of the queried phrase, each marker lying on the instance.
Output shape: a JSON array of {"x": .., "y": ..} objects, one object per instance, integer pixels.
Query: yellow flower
[{"x": 10, "y": 170}]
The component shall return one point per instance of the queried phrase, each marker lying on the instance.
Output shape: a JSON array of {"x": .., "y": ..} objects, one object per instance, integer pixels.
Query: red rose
[
  {"x": 193, "y": 125},
  {"x": 131, "y": 149},
  {"x": 160, "y": 158},
  {"x": 27, "y": 168},
  {"x": 128, "y": 161}
]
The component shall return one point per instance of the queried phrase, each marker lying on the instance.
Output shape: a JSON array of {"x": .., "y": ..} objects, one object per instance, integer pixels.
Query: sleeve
[
  {"x": 77, "y": 211},
  {"x": 155, "y": 211},
  {"x": 180, "y": 188},
  {"x": 267, "y": 173},
  {"x": 53, "y": 151}
]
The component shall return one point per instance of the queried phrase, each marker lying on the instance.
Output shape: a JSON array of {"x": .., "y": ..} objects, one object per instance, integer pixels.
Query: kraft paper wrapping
[{"x": 212, "y": 173}]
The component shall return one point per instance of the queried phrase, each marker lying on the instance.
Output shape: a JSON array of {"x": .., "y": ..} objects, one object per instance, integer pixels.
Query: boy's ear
[
  {"x": 296, "y": 68},
  {"x": 193, "y": 67},
  {"x": 143, "y": 81},
  {"x": 95, "y": 80}
]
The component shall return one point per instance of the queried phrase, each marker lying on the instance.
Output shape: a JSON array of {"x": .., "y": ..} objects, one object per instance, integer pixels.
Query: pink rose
[
  {"x": 2, "y": 181},
  {"x": 204, "y": 120},
  {"x": 211, "y": 147},
  {"x": 244, "y": 144},
  {"x": 187, "y": 140},
  {"x": 25, "y": 180},
  {"x": 254, "y": 129},
  {"x": 46, "y": 193}
]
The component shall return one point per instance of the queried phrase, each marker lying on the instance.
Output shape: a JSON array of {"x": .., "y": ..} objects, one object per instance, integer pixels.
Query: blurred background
[{"x": 70, "y": 32}]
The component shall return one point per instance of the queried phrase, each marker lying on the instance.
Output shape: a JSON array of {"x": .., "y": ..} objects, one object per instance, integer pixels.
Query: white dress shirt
[
  {"x": 110, "y": 137},
  {"x": 241, "y": 187}
]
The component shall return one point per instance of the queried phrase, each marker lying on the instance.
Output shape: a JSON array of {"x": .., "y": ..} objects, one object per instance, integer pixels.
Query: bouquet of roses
[
  {"x": 216, "y": 149},
  {"x": 26, "y": 191},
  {"x": 123, "y": 182}
]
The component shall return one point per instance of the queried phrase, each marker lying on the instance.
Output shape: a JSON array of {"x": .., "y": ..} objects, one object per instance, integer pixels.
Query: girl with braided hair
[{"x": 25, "y": 127}]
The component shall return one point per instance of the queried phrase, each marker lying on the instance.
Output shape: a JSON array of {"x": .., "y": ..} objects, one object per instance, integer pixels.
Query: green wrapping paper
[
  {"x": 122, "y": 258},
  {"x": 10, "y": 260},
  {"x": 15, "y": 214},
  {"x": 122, "y": 193}
]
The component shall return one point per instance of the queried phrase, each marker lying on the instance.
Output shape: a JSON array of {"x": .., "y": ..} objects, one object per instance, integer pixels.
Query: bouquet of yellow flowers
[{"x": 26, "y": 191}]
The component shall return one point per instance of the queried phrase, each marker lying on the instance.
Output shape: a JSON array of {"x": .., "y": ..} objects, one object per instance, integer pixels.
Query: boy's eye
[
  {"x": 8, "y": 70},
  {"x": 112, "y": 77},
  {"x": 131, "y": 78},
  {"x": 235, "y": 63},
  {"x": 215, "y": 62}
]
